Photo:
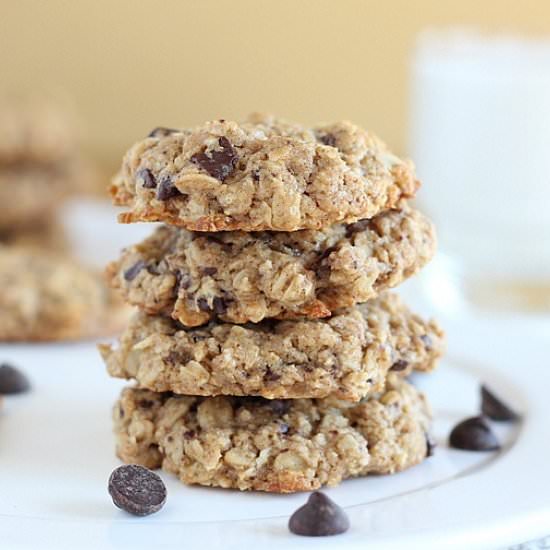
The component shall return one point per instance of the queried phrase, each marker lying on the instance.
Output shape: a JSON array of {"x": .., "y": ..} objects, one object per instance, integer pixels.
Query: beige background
[{"x": 132, "y": 65}]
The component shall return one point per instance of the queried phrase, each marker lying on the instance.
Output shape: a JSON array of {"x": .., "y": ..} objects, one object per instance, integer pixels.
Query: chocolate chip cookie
[
  {"x": 47, "y": 297},
  {"x": 28, "y": 195},
  {"x": 347, "y": 356},
  {"x": 45, "y": 234},
  {"x": 263, "y": 174},
  {"x": 34, "y": 130},
  {"x": 279, "y": 446},
  {"x": 246, "y": 277}
]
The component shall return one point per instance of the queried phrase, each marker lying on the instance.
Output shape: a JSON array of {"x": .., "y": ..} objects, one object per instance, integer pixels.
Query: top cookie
[{"x": 263, "y": 174}]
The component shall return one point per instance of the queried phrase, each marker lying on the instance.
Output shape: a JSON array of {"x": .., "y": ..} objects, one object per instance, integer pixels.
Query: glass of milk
[{"x": 480, "y": 137}]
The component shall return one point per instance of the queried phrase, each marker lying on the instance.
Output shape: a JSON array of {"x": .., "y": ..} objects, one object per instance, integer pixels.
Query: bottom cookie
[{"x": 281, "y": 446}]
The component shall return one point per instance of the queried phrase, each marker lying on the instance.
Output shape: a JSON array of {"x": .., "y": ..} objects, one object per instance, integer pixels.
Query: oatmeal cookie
[
  {"x": 347, "y": 356},
  {"x": 29, "y": 195},
  {"x": 44, "y": 296},
  {"x": 280, "y": 446},
  {"x": 246, "y": 277},
  {"x": 34, "y": 130},
  {"x": 46, "y": 234},
  {"x": 263, "y": 174}
]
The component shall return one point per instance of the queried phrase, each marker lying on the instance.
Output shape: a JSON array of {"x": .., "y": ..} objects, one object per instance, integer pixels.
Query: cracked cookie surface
[
  {"x": 246, "y": 277},
  {"x": 263, "y": 174},
  {"x": 278, "y": 446},
  {"x": 347, "y": 356}
]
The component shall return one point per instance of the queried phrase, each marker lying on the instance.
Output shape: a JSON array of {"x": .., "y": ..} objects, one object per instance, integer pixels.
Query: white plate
[{"x": 56, "y": 454}]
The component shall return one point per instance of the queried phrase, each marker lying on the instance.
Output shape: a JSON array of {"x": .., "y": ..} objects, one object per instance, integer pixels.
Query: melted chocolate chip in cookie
[
  {"x": 218, "y": 163},
  {"x": 167, "y": 190},
  {"x": 202, "y": 303},
  {"x": 328, "y": 139},
  {"x": 219, "y": 305},
  {"x": 358, "y": 227},
  {"x": 208, "y": 271},
  {"x": 146, "y": 176},
  {"x": 399, "y": 365},
  {"x": 131, "y": 273}
]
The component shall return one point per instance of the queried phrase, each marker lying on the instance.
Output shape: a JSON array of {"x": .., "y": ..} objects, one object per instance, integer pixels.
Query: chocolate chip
[
  {"x": 202, "y": 303},
  {"x": 189, "y": 434},
  {"x": 219, "y": 305},
  {"x": 271, "y": 376},
  {"x": 279, "y": 406},
  {"x": 430, "y": 445},
  {"x": 399, "y": 365},
  {"x": 167, "y": 190},
  {"x": 182, "y": 280},
  {"x": 146, "y": 176},
  {"x": 358, "y": 227},
  {"x": 256, "y": 175},
  {"x": 159, "y": 131},
  {"x": 145, "y": 404},
  {"x": 209, "y": 270},
  {"x": 219, "y": 164},
  {"x": 327, "y": 252},
  {"x": 177, "y": 358},
  {"x": 131, "y": 273},
  {"x": 319, "y": 517},
  {"x": 137, "y": 490},
  {"x": 328, "y": 139},
  {"x": 474, "y": 434},
  {"x": 12, "y": 380},
  {"x": 494, "y": 407}
]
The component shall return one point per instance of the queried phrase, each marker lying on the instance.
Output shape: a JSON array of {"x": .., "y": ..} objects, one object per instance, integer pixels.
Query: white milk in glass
[{"x": 480, "y": 137}]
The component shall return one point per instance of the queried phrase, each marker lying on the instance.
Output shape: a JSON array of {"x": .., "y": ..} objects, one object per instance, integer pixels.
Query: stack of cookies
[
  {"x": 267, "y": 352},
  {"x": 39, "y": 165},
  {"x": 44, "y": 295}
]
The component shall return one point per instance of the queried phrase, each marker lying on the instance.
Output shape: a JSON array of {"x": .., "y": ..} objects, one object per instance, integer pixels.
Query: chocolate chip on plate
[
  {"x": 319, "y": 517},
  {"x": 474, "y": 434},
  {"x": 12, "y": 380},
  {"x": 493, "y": 407},
  {"x": 218, "y": 163},
  {"x": 137, "y": 490}
]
